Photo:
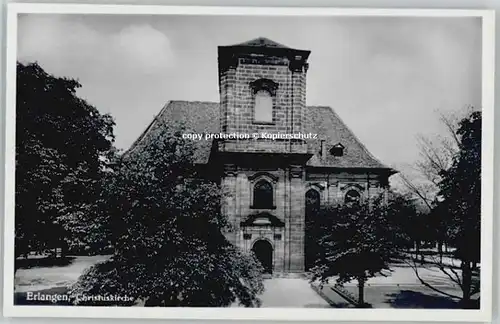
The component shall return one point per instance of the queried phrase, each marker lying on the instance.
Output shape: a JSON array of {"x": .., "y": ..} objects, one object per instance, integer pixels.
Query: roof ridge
[
  {"x": 261, "y": 41},
  {"x": 146, "y": 130},
  {"x": 194, "y": 101},
  {"x": 319, "y": 106}
]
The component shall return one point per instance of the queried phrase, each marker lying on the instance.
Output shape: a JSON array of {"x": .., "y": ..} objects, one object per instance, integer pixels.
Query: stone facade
[{"x": 265, "y": 182}]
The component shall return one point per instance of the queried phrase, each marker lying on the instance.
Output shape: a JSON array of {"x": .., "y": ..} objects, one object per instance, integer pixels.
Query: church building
[{"x": 270, "y": 184}]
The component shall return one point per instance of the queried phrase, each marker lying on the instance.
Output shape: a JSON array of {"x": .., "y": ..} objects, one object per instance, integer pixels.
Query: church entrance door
[{"x": 263, "y": 251}]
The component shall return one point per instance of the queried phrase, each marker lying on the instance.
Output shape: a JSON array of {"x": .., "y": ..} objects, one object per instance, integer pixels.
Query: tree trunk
[
  {"x": 466, "y": 283},
  {"x": 64, "y": 248},
  {"x": 440, "y": 251},
  {"x": 361, "y": 291},
  {"x": 419, "y": 253}
]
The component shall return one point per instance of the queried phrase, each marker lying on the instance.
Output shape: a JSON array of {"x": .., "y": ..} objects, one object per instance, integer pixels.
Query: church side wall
[
  {"x": 334, "y": 186},
  {"x": 290, "y": 186}
]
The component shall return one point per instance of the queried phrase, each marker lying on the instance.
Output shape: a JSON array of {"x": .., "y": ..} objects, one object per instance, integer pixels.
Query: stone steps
[{"x": 287, "y": 275}]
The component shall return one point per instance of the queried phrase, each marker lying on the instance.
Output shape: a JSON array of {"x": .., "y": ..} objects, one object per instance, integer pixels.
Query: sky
[{"x": 386, "y": 77}]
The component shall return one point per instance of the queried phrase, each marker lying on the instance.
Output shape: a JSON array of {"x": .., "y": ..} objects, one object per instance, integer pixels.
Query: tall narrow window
[
  {"x": 311, "y": 237},
  {"x": 263, "y": 110},
  {"x": 263, "y": 195}
]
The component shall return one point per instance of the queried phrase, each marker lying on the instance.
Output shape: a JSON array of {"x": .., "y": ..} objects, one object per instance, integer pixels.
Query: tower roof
[
  {"x": 261, "y": 42},
  {"x": 263, "y": 45}
]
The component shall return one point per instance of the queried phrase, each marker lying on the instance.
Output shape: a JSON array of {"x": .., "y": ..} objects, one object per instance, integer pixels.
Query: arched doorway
[
  {"x": 263, "y": 251},
  {"x": 311, "y": 247}
]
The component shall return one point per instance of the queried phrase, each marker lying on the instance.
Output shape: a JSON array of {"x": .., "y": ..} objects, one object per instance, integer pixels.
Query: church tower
[{"x": 262, "y": 87}]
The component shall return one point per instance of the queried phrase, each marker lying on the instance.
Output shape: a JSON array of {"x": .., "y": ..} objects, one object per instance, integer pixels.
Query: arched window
[
  {"x": 263, "y": 110},
  {"x": 263, "y": 195},
  {"x": 312, "y": 202},
  {"x": 352, "y": 197}
]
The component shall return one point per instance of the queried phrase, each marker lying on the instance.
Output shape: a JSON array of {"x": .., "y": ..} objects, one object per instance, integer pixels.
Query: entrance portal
[{"x": 264, "y": 253}]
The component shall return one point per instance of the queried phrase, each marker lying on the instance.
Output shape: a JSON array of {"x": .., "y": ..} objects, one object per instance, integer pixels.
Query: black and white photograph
[{"x": 249, "y": 162}]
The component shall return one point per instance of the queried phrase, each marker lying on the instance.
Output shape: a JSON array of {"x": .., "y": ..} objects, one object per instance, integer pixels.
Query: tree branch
[
  {"x": 412, "y": 187},
  {"x": 423, "y": 282},
  {"x": 441, "y": 267}
]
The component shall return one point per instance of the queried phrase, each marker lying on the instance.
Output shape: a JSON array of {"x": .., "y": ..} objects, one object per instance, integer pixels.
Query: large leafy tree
[
  {"x": 358, "y": 241},
  {"x": 61, "y": 147},
  {"x": 461, "y": 197},
  {"x": 457, "y": 211},
  {"x": 437, "y": 154},
  {"x": 403, "y": 215},
  {"x": 167, "y": 231}
]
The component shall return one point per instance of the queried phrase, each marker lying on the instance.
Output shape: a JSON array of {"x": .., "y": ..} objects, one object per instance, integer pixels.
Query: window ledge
[{"x": 263, "y": 123}]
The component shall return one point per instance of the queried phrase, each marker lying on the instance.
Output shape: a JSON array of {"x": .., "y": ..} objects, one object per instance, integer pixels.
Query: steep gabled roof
[
  {"x": 196, "y": 116},
  {"x": 203, "y": 117},
  {"x": 323, "y": 120}
]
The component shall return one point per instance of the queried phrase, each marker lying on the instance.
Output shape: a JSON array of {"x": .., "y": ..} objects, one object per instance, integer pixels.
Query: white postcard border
[{"x": 293, "y": 314}]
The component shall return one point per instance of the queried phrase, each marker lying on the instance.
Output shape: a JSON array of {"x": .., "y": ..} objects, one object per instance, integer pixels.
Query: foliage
[
  {"x": 358, "y": 241},
  {"x": 60, "y": 144},
  {"x": 461, "y": 196},
  {"x": 167, "y": 226},
  {"x": 437, "y": 154},
  {"x": 410, "y": 223},
  {"x": 457, "y": 211},
  {"x": 461, "y": 189}
]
